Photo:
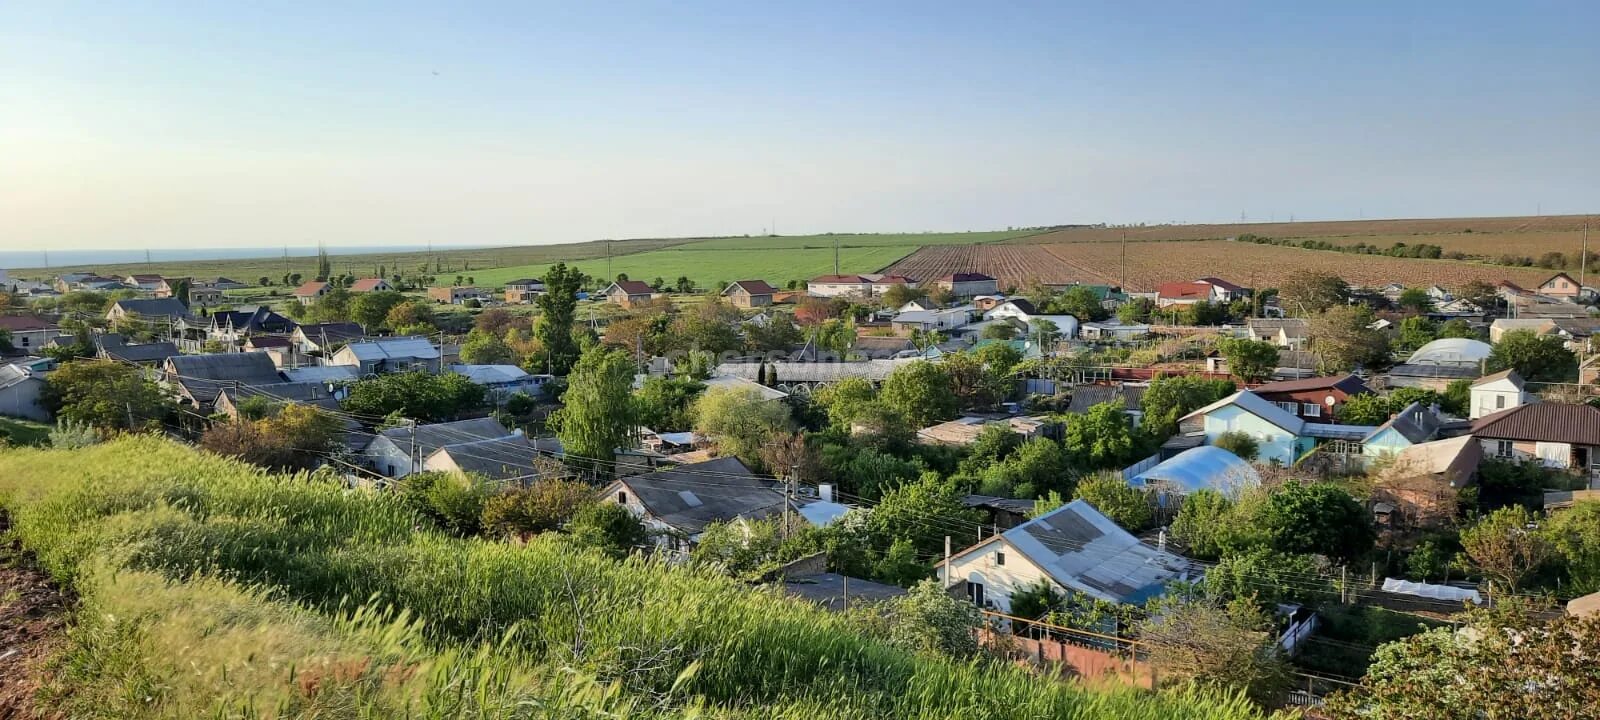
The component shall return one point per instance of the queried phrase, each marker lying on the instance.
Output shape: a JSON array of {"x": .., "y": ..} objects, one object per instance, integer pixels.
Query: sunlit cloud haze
[{"x": 198, "y": 125}]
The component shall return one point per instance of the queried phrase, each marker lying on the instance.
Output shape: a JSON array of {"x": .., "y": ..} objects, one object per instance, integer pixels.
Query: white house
[
  {"x": 948, "y": 319},
  {"x": 1020, "y": 309},
  {"x": 19, "y": 394},
  {"x": 1277, "y": 432},
  {"x": 387, "y": 355},
  {"x": 1558, "y": 435},
  {"x": 29, "y": 334},
  {"x": 1500, "y": 391},
  {"x": 1112, "y": 330},
  {"x": 1073, "y": 548},
  {"x": 503, "y": 381},
  {"x": 391, "y": 453}
]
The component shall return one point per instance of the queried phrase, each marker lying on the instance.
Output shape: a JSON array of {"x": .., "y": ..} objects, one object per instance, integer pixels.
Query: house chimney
[
  {"x": 825, "y": 492},
  {"x": 1161, "y": 540}
]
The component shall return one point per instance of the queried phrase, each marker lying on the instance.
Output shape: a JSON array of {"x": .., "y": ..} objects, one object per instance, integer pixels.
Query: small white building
[
  {"x": 19, "y": 394},
  {"x": 398, "y": 452},
  {"x": 389, "y": 355},
  {"x": 1501, "y": 391},
  {"x": 503, "y": 381},
  {"x": 1075, "y": 549}
]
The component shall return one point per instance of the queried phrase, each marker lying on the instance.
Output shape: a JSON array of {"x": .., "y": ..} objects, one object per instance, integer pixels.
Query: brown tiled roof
[
  {"x": 1350, "y": 384},
  {"x": 839, "y": 279},
  {"x": 754, "y": 287},
  {"x": 309, "y": 289},
  {"x": 1543, "y": 422},
  {"x": 1503, "y": 374},
  {"x": 365, "y": 285},
  {"x": 1184, "y": 290},
  {"x": 635, "y": 287},
  {"x": 20, "y": 323}
]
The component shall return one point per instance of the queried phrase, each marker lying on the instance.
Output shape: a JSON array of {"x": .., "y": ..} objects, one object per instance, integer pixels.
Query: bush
[
  {"x": 1239, "y": 443},
  {"x": 453, "y": 503}
]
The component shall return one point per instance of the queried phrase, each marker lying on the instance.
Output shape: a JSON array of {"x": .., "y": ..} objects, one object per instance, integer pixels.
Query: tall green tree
[
  {"x": 664, "y": 403},
  {"x": 1103, "y": 437},
  {"x": 1310, "y": 292},
  {"x": 105, "y": 394},
  {"x": 741, "y": 422},
  {"x": 554, "y": 326},
  {"x": 846, "y": 400},
  {"x": 1320, "y": 519},
  {"x": 1505, "y": 545},
  {"x": 371, "y": 309},
  {"x": 486, "y": 348},
  {"x": 922, "y": 511},
  {"x": 920, "y": 392},
  {"x": 1081, "y": 302},
  {"x": 1170, "y": 397},
  {"x": 1415, "y": 300},
  {"x": 324, "y": 264},
  {"x": 1537, "y": 358},
  {"x": 417, "y": 395},
  {"x": 1251, "y": 361},
  {"x": 1342, "y": 339},
  {"x": 597, "y": 415},
  {"x": 1116, "y": 499}
]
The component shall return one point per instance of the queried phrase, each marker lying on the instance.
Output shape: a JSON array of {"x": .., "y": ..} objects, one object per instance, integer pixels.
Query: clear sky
[{"x": 207, "y": 124}]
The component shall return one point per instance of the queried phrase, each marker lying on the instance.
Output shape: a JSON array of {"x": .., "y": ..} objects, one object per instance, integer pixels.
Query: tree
[
  {"x": 999, "y": 358},
  {"x": 371, "y": 309},
  {"x": 1103, "y": 437},
  {"x": 778, "y": 333},
  {"x": 1202, "y": 522},
  {"x": 1034, "y": 601},
  {"x": 898, "y": 295},
  {"x": 608, "y": 527},
  {"x": 408, "y": 317},
  {"x": 1039, "y": 465},
  {"x": 485, "y": 348},
  {"x": 1266, "y": 577},
  {"x": 1081, "y": 302},
  {"x": 1136, "y": 311},
  {"x": 105, "y": 394},
  {"x": 1239, "y": 443},
  {"x": 1044, "y": 333},
  {"x": 296, "y": 437},
  {"x": 1204, "y": 313},
  {"x": 740, "y": 421},
  {"x": 1114, "y": 498},
  {"x": 452, "y": 501},
  {"x": 1309, "y": 292},
  {"x": 922, "y": 511},
  {"x": 1229, "y": 647},
  {"x": 975, "y": 384},
  {"x": 1458, "y": 328},
  {"x": 1501, "y": 666},
  {"x": 919, "y": 392},
  {"x": 846, "y": 400},
  {"x": 545, "y": 505},
  {"x": 554, "y": 326},
  {"x": 1574, "y": 538},
  {"x": 333, "y": 306},
  {"x": 597, "y": 415},
  {"x": 711, "y": 327},
  {"x": 418, "y": 395},
  {"x": 1251, "y": 361},
  {"x": 1504, "y": 547},
  {"x": 664, "y": 404},
  {"x": 999, "y": 331},
  {"x": 928, "y": 620},
  {"x": 1171, "y": 397},
  {"x": 1342, "y": 339},
  {"x": 1364, "y": 409},
  {"x": 1415, "y": 300},
  {"x": 1416, "y": 331},
  {"x": 1320, "y": 519},
  {"x": 1537, "y": 358},
  {"x": 324, "y": 264}
]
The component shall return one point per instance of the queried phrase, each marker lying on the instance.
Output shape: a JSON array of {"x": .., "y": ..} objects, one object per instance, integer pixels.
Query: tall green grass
[{"x": 207, "y": 538}]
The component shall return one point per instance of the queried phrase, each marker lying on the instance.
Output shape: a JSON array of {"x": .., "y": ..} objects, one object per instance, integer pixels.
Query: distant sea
[{"x": 58, "y": 258}]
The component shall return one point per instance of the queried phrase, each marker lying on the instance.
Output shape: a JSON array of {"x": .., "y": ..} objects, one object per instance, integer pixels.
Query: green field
[
  {"x": 24, "y": 432},
  {"x": 776, "y": 260}
]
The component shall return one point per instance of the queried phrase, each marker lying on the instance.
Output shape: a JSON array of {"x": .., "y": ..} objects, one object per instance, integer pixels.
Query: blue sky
[{"x": 197, "y": 125}]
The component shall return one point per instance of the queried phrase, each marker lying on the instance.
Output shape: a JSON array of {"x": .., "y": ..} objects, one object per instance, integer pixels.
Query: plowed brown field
[
  {"x": 1465, "y": 234},
  {"x": 1151, "y": 263}
]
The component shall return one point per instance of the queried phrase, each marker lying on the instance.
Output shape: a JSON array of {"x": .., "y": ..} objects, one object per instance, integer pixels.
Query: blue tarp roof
[{"x": 1204, "y": 467}]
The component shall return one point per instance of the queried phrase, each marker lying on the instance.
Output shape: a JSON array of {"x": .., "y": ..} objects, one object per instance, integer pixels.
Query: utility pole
[
  {"x": 413, "y": 467},
  {"x": 835, "y": 254},
  {"x": 609, "y": 276},
  {"x": 788, "y": 498},
  {"x": 1583, "y": 260},
  {"x": 1123, "y": 281},
  {"x": 945, "y": 573}
]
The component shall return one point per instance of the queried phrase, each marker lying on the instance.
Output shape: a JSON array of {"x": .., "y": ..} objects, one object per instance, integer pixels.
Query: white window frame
[
  {"x": 1311, "y": 410},
  {"x": 1505, "y": 449},
  {"x": 1293, "y": 408}
]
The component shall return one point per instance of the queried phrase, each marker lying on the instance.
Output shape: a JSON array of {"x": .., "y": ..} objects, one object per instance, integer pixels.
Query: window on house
[
  {"x": 1310, "y": 409},
  {"x": 1288, "y": 406},
  {"x": 975, "y": 592},
  {"x": 1000, "y": 557},
  {"x": 622, "y": 497},
  {"x": 1499, "y": 402},
  {"x": 1503, "y": 449}
]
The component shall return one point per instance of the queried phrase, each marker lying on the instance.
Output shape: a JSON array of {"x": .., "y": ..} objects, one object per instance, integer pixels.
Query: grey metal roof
[
  {"x": 309, "y": 393},
  {"x": 1434, "y": 371},
  {"x": 875, "y": 370},
  {"x": 830, "y": 590},
  {"x": 335, "y": 332},
  {"x": 1088, "y": 396},
  {"x": 990, "y": 502},
  {"x": 500, "y": 458},
  {"x": 1329, "y": 431},
  {"x": 689, "y": 497},
  {"x": 1083, "y": 550},
  {"x": 153, "y": 307},
  {"x": 406, "y": 348},
  {"x": 433, "y": 436},
  {"x": 113, "y": 346},
  {"x": 1416, "y": 423},
  {"x": 203, "y": 376},
  {"x": 12, "y": 375},
  {"x": 320, "y": 373}
]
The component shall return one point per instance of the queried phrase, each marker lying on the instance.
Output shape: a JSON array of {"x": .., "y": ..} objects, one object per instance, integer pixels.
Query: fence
[
  {"x": 1141, "y": 466},
  {"x": 1070, "y": 651}
]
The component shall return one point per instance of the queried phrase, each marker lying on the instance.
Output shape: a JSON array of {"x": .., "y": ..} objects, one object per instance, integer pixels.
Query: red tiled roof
[
  {"x": 635, "y": 287},
  {"x": 1350, "y": 384},
  {"x": 893, "y": 280},
  {"x": 365, "y": 285},
  {"x": 1184, "y": 290},
  {"x": 1543, "y": 422},
  {"x": 1219, "y": 282},
  {"x": 754, "y": 287},
  {"x": 309, "y": 289},
  {"x": 839, "y": 279}
]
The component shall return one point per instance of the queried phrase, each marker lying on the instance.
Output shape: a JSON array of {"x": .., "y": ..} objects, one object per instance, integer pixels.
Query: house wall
[
  {"x": 743, "y": 299},
  {"x": 1275, "y": 442},
  {"x": 1387, "y": 442},
  {"x": 1559, "y": 287},
  {"x": 1551, "y": 455},
  {"x": 999, "y": 581},
  {"x": 388, "y": 458},
  {"x": 838, "y": 289},
  {"x": 1494, "y": 397},
  {"x": 22, "y": 400},
  {"x": 1322, "y": 413}
]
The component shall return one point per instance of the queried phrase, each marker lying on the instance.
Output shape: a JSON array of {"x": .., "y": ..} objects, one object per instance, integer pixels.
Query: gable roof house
[
  {"x": 1317, "y": 399},
  {"x": 503, "y": 459},
  {"x": 1560, "y": 286},
  {"x": 1182, "y": 293},
  {"x": 1075, "y": 549},
  {"x": 749, "y": 293},
  {"x": 159, "y": 310},
  {"x": 1558, "y": 435},
  {"x": 28, "y": 334},
  {"x": 1283, "y": 437},
  {"x": 323, "y": 337},
  {"x": 947, "y": 319},
  {"x": 1501, "y": 391},
  {"x": 1283, "y": 332},
  {"x": 456, "y": 295},
  {"x": 677, "y": 504},
  {"x": 311, "y": 291},
  {"x": 1421, "y": 485},
  {"x": 390, "y": 453},
  {"x": 523, "y": 290},
  {"x": 233, "y": 326},
  {"x": 315, "y": 394},
  {"x": 19, "y": 394},
  {"x": 389, "y": 355},
  {"x": 199, "y": 378},
  {"x": 503, "y": 381},
  {"x": 628, "y": 292},
  {"x": 1223, "y": 291},
  {"x": 370, "y": 285},
  {"x": 839, "y": 286},
  {"x": 968, "y": 284},
  {"x": 112, "y": 346},
  {"x": 148, "y": 283}
]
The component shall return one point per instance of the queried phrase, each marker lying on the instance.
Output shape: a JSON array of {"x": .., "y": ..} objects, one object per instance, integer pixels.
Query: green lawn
[
  {"x": 709, "y": 266},
  {"x": 24, "y": 432}
]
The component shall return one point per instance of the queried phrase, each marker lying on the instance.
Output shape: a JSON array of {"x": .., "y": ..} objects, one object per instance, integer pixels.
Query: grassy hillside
[{"x": 213, "y": 590}]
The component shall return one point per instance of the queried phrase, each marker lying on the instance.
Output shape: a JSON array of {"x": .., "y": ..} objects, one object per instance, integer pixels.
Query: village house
[
  {"x": 749, "y": 293},
  {"x": 231, "y": 327},
  {"x": 1420, "y": 488},
  {"x": 456, "y": 295},
  {"x": 962, "y": 432},
  {"x": 147, "y": 283},
  {"x": 1560, "y": 286},
  {"x": 1283, "y": 332},
  {"x": 1501, "y": 391},
  {"x": 204, "y": 297},
  {"x": 1022, "y": 310},
  {"x": 1282, "y": 437},
  {"x": 28, "y": 334},
  {"x": 1074, "y": 549},
  {"x": 677, "y": 504},
  {"x": 859, "y": 286},
  {"x": 222, "y": 283},
  {"x": 1316, "y": 399},
  {"x": 391, "y": 453},
  {"x": 315, "y": 394},
  {"x": 967, "y": 284},
  {"x": 503, "y": 381},
  {"x": 112, "y": 346},
  {"x": 628, "y": 293},
  {"x": 323, "y": 338},
  {"x": 523, "y": 291},
  {"x": 198, "y": 379},
  {"x": 311, "y": 291},
  {"x": 1558, "y": 435},
  {"x": 365, "y": 285},
  {"x": 806, "y": 376},
  {"x": 947, "y": 319},
  {"x": 389, "y": 355},
  {"x": 155, "y": 310},
  {"x": 19, "y": 394},
  {"x": 512, "y": 458},
  {"x": 1129, "y": 398},
  {"x": 1112, "y": 331}
]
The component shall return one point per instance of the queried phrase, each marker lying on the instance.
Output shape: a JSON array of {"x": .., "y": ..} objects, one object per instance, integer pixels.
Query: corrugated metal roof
[
  {"x": 875, "y": 370},
  {"x": 1543, "y": 422},
  {"x": 203, "y": 376},
  {"x": 490, "y": 374},
  {"x": 1202, "y": 468},
  {"x": 724, "y": 487},
  {"x": 433, "y": 436},
  {"x": 1255, "y": 405},
  {"x": 1350, "y": 384},
  {"x": 1083, "y": 550},
  {"x": 408, "y": 348},
  {"x": 1084, "y": 397},
  {"x": 320, "y": 373}
]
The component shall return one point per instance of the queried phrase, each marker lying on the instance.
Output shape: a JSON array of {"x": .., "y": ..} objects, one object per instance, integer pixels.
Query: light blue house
[
  {"x": 1416, "y": 424},
  {"x": 1282, "y": 437}
]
